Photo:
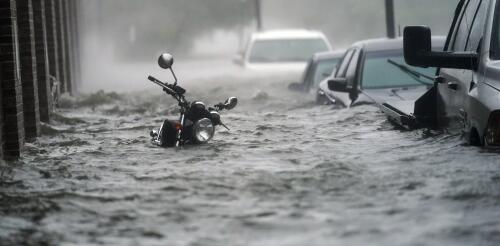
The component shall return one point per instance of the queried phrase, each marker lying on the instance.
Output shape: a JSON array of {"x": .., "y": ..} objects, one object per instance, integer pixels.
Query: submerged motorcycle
[{"x": 196, "y": 124}]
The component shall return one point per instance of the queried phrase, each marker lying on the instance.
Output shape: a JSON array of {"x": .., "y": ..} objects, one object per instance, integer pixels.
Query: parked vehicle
[
  {"x": 466, "y": 92},
  {"x": 282, "y": 51},
  {"x": 319, "y": 67},
  {"x": 196, "y": 124},
  {"x": 374, "y": 72}
]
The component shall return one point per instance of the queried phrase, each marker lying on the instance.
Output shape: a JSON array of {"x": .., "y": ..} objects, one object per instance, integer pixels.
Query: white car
[{"x": 282, "y": 51}]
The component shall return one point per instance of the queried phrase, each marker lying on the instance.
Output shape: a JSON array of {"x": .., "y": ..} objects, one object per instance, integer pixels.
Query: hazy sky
[
  {"x": 121, "y": 36},
  {"x": 176, "y": 24}
]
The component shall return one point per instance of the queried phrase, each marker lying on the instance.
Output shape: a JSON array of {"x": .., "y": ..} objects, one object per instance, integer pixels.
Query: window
[
  {"x": 323, "y": 70},
  {"x": 464, "y": 25},
  {"x": 495, "y": 37},
  {"x": 307, "y": 77},
  {"x": 378, "y": 72},
  {"x": 476, "y": 33},
  {"x": 353, "y": 66},
  {"x": 342, "y": 70},
  {"x": 286, "y": 50}
]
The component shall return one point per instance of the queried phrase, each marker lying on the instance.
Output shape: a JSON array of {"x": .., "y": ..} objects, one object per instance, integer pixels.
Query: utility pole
[
  {"x": 258, "y": 14},
  {"x": 389, "y": 18}
]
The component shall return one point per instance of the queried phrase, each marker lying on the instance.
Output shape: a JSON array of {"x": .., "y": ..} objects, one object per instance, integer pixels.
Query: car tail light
[{"x": 492, "y": 135}]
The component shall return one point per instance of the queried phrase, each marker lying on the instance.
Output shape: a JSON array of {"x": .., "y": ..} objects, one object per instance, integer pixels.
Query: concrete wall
[{"x": 38, "y": 47}]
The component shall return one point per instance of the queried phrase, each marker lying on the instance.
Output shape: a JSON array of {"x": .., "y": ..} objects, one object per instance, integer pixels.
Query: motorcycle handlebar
[
  {"x": 177, "y": 89},
  {"x": 152, "y": 79}
]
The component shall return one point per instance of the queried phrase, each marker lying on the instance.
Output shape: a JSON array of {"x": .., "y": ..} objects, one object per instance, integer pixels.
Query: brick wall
[
  {"x": 68, "y": 45},
  {"x": 42, "y": 60},
  {"x": 52, "y": 44},
  {"x": 12, "y": 101},
  {"x": 61, "y": 39},
  {"x": 38, "y": 40},
  {"x": 29, "y": 79},
  {"x": 1, "y": 111},
  {"x": 76, "y": 79}
]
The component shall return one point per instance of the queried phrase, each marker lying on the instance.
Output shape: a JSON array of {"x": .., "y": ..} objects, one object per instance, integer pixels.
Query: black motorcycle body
[{"x": 196, "y": 123}]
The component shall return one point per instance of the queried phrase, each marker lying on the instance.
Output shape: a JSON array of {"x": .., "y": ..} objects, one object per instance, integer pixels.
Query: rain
[{"x": 195, "y": 122}]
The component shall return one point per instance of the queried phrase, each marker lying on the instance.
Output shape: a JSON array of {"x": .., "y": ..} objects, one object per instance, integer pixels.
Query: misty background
[{"x": 123, "y": 38}]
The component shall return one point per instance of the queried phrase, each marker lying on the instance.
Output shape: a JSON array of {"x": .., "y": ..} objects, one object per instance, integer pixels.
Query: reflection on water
[{"x": 288, "y": 173}]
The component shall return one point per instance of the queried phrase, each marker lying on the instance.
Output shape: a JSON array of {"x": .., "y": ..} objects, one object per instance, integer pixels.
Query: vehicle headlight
[
  {"x": 323, "y": 98},
  {"x": 203, "y": 130},
  {"x": 492, "y": 134}
]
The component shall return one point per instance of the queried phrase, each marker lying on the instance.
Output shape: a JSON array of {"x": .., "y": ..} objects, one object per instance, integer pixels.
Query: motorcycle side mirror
[
  {"x": 166, "y": 61},
  {"x": 230, "y": 103}
]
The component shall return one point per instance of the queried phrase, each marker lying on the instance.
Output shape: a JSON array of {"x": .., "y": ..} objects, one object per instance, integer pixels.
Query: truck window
[
  {"x": 286, "y": 50},
  {"x": 341, "y": 72},
  {"x": 464, "y": 26},
  {"x": 495, "y": 36},
  {"x": 353, "y": 67},
  {"x": 477, "y": 31},
  {"x": 323, "y": 70}
]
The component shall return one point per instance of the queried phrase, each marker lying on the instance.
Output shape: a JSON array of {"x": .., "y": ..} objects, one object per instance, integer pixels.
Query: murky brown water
[{"x": 288, "y": 173}]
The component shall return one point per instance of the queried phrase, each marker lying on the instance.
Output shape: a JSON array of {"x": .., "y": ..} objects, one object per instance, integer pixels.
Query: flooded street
[{"x": 287, "y": 173}]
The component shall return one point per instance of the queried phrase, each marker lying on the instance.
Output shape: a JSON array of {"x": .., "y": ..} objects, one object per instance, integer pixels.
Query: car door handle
[{"x": 453, "y": 86}]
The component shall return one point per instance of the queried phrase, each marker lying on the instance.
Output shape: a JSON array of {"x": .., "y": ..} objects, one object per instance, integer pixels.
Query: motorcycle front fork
[{"x": 179, "y": 131}]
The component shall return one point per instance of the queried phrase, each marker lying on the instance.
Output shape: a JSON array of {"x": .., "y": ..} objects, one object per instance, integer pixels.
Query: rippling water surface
[{"x": 288, "y": 173}]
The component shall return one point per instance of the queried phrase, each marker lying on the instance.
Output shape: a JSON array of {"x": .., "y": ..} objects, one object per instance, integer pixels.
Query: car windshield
[
  {"x": 323, "y": 70},
  {"x": 286, "y": 50},
  {"x": 378, "y": 72}
]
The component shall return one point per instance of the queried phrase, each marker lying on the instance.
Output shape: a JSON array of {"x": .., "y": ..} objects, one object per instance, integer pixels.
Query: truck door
[{"x": 455, "y": 84}]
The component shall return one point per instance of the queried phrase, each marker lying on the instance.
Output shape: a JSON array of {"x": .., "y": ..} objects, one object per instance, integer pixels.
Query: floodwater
[{"x": 287, "y": 173}]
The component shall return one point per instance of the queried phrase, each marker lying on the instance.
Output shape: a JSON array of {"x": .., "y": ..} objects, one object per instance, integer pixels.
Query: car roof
[
  {"x": 287, "y": 34},
  {"x": 381, "y": 44},
  {"x": 328, "y": 55}
]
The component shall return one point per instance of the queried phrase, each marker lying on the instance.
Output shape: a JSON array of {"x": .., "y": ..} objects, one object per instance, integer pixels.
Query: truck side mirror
[
  {"x": 339, "y": 85},
  {"x": 418, "y": 52}
]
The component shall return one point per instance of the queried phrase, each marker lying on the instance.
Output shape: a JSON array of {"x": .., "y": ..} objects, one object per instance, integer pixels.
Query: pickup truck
[{"x": 466, "y": 92}]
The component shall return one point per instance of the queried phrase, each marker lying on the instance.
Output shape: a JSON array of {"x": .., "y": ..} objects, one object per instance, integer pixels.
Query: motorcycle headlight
[
  {"x": 492, "y": 135},
  {"x": 203, "y": 130}
]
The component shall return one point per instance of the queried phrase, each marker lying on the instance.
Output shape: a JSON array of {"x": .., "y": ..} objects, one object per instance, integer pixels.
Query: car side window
[
  {"x": 342, "y": 70},
  {"x": 309, "y": 73},
  {"x": 352, "y": 68},
  {"x": 495, "y": 36},
  {"x": 464, "y": 26},
  {"x": 476, "y": 33}
]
